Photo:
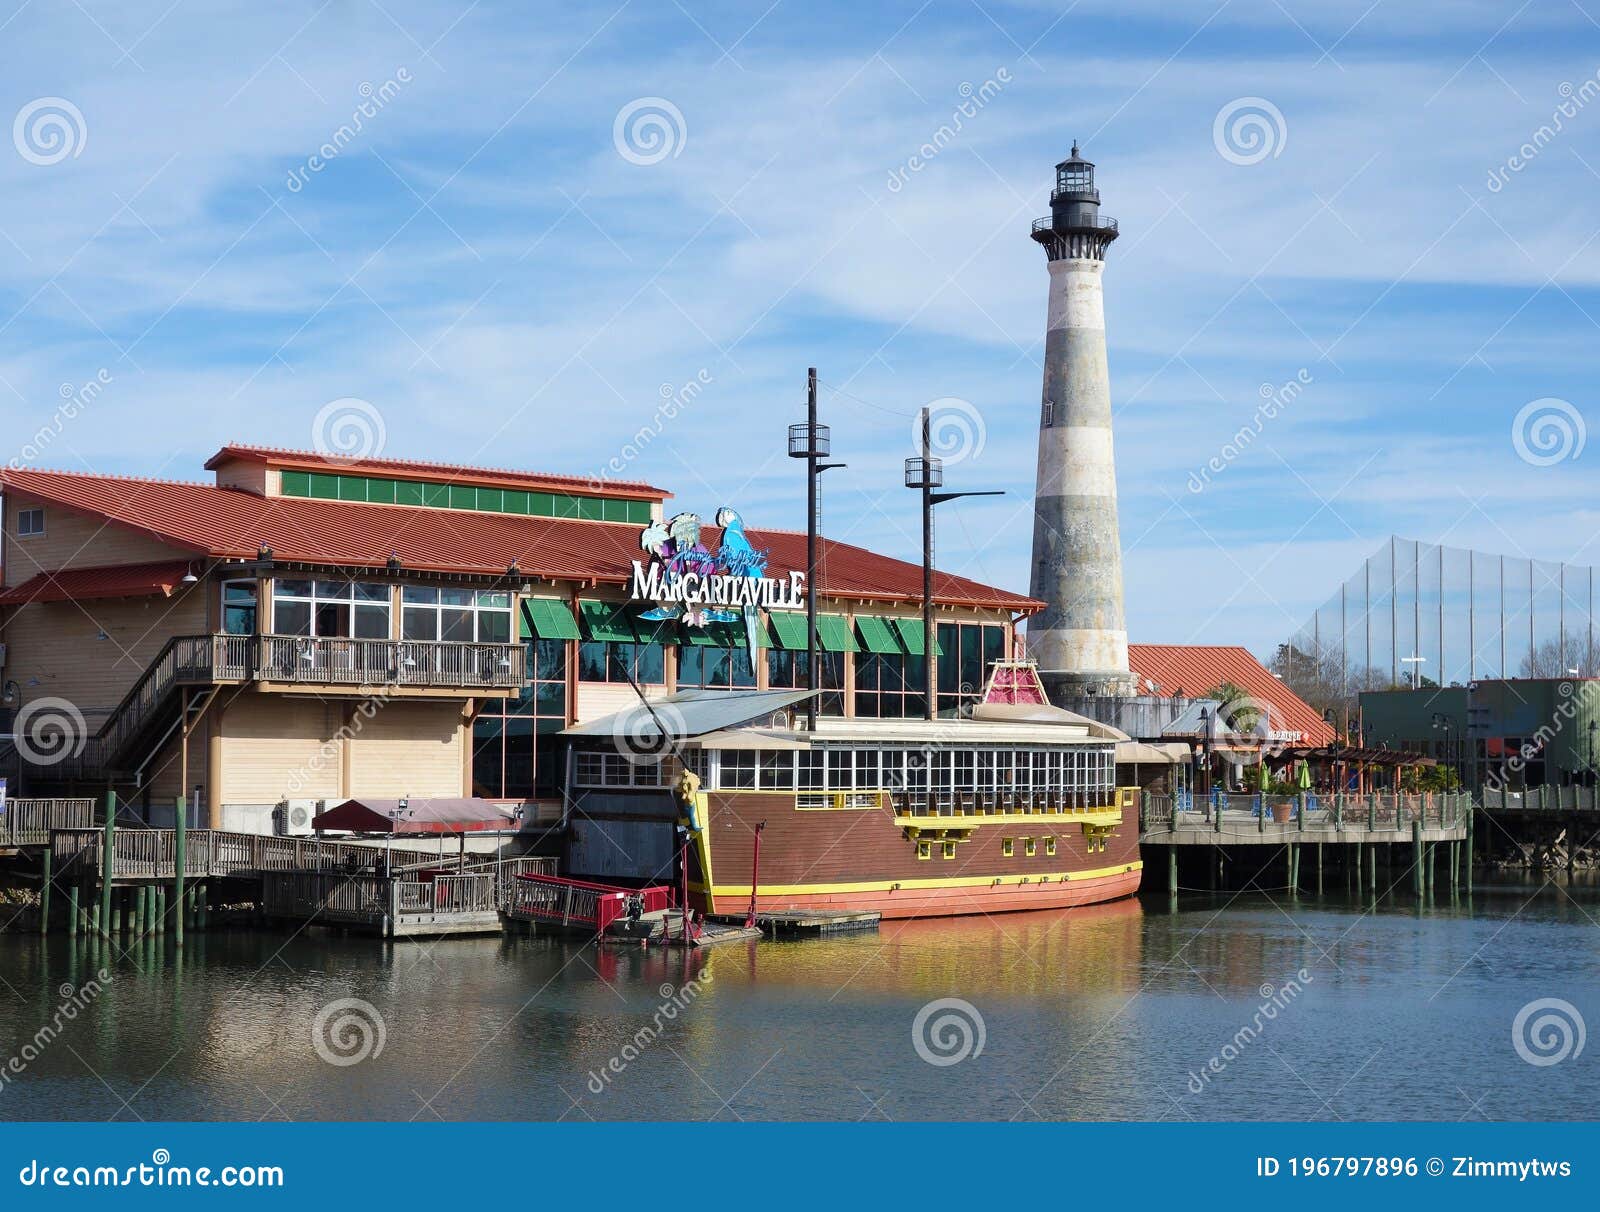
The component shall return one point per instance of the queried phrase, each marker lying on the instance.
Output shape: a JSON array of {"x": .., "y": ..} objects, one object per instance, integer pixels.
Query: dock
[
  {"x": 1233, "y": 841},
  {"x": 811, "y": 923}
]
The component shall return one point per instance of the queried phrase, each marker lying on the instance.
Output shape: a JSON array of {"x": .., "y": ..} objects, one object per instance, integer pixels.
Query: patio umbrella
[
  {"x": 1263, "y": 777},
  {"x": 1305, "y": 775}
]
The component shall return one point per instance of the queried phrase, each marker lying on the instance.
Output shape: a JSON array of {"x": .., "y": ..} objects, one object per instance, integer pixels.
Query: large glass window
[
  {"x": 786, "y": 670},
  {"x": 890, "y": 685},
  {"x": 715, "y": 668},
  {"x": 455, "y": 615},
  {"x": 970, "y": 651},
  {"x": 239, "y": 607},
  {"x": 516, "y": 750},
  {"x": 343, "y": 609}
]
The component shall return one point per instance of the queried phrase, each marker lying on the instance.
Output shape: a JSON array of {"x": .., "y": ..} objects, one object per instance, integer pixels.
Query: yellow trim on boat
[{"x": 956, "y": 881}]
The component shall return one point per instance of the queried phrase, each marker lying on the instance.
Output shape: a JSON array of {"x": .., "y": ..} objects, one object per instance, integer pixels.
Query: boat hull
[{"x": 871, "y": 860}]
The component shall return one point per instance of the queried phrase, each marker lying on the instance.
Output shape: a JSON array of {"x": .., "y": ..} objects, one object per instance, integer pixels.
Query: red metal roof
[
  {"x": 84, "y": 584},
  {"x": 228, "y": 523},
  {"x": 1193, "y": 669},
  {"x": 410, "y": 469}
]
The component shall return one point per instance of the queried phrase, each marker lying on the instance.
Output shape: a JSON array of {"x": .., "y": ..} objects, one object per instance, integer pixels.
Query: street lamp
[
  {"x": 811, "y": 442},
  {"x": 925, "y": 473}
]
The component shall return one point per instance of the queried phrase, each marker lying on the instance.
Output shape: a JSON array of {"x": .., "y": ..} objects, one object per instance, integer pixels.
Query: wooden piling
[
  {"x": 1416, "y": 856},
  {"x": 1319, "y": 868},
  {"x": 160, "y": 895},
  {"x": 108, "y": 860},
  {"x": 179, "y": 845},
  {"x": 44, "y": 891},
  {"x": 1172, "y": 870},
  {"x": 1472, "y": 815},
  {"x": 203, "y": 917},
  {"x": 72, "y": 910}
]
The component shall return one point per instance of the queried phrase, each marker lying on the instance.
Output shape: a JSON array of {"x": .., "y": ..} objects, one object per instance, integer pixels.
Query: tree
[{"x": 1558, "y": 659}]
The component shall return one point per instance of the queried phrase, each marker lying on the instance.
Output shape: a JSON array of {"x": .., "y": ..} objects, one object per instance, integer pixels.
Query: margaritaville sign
[{"x": 686, "y": 580}]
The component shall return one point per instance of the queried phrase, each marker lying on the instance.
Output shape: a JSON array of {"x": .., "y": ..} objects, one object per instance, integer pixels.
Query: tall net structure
[{"x": 1425, "y": 614}]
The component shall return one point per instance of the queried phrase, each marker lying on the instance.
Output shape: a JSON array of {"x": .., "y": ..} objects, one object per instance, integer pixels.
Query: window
[
  {"x": 1007, "y": 847},
  {"x": 716, "y": 668},
  {"x": 516, "y": 750},
  {"x": 949, "y": 850},
  {"x": 890, "y": 685},
  {"x": 614, "y": 648},
  {"x": 1050, "y": 846},
  {"x": 29, "y": 522},
  {"x": 970, "y": 651},
  {"x": 343, "y": 609},
  {"x": 924, "y": 850},
  {"x": 462, "y": 616},
  {"x": 786, "y": 669},
  {"x": 239, "y": 607},
  {"x": 1028, "y": 848}
]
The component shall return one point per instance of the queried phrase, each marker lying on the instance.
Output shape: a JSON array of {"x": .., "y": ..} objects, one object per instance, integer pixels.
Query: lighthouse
[{"x": 1080, "y": 639}]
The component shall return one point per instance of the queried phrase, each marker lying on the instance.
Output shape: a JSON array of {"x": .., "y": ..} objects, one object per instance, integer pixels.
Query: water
[{"x": 1109, "y": 1013}]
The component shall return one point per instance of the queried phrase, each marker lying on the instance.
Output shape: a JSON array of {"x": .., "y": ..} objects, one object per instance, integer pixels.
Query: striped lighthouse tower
[{"x": 1080, "y": 640}]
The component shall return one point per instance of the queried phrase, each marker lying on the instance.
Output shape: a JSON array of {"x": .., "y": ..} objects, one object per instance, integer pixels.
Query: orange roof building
[
  {"x": 1190, "y": 670},
  {"x": 226, "y": 640}
]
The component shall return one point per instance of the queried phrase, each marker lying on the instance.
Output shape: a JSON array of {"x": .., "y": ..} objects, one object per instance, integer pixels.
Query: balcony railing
[
  {"x": 325, "y": 661},
  {"x": 1102, "y": 223}
]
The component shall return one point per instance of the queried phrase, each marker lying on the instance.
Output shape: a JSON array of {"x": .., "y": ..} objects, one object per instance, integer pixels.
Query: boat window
[
  {"x": 777, "y": 769},
  {"x": 924, "y": 850},
  {"x": 1006, "y": 847},
  {"x": 809, "y": 777},
  {"x": 949, "y": 850},
  {"x": 867, "y": 770},
  {"x": 738, "y": 769}
]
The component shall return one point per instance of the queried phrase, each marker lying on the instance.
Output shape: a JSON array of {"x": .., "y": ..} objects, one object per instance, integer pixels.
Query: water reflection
[{"x": 1104, "y": 1012}]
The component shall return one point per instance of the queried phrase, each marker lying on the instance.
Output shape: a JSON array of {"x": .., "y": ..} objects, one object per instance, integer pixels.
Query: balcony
[
  {"x": 419, "y": 664},
  {"x": 1102, "y": 223}
]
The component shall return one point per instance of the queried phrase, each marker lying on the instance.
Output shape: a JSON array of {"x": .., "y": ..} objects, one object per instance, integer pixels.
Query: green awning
[
  {"x": 789, "y": 629},
  {"x": 911, "y": 633},
  {"x": 878, "y": 636},
  {"x": 606, "y": 621},
  {"x": 834, "y": 634},
  {"x": 548, "y": 619}
]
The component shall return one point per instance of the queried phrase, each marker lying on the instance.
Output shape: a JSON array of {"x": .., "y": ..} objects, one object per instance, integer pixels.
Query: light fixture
[
  {"x": 410, "y": 662},
  {"x": 188, "y": 576},
  {"x": 505, "y": 661},
  {"x": 101, "y": 635}
]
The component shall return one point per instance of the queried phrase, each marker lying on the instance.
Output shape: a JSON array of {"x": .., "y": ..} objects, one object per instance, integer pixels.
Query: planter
[{"x": 1282, "y": 813}]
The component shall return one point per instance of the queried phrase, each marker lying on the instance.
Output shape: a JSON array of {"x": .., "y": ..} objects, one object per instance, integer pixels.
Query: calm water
[{"x": 1102, "y": 1014}]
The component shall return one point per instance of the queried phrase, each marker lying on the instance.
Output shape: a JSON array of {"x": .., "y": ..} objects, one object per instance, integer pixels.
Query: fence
[
  {"x": 1308, "y": 812},
  {"x": 548, "y": 898},
  {"x": 29, "y": 822}
]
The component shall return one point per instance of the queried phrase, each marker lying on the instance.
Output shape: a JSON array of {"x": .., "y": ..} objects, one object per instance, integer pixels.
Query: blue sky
[{"x": 485, "y": 267}]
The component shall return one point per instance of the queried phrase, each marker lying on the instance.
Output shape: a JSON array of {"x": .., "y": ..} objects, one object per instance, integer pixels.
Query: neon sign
[{"x": 688, "y": 582}]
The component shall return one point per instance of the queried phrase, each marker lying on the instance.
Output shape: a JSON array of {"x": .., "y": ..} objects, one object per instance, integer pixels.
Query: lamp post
[
  {"x": 925, "y": 473},
  {"x": 811, "y": 442}
]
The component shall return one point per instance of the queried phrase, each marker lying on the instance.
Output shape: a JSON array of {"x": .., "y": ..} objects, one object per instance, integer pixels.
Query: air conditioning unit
[{"x": 292, "y": 818}]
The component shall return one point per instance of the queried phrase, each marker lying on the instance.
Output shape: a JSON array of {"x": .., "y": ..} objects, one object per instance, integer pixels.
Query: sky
[{"x": 1360, "y": 234}]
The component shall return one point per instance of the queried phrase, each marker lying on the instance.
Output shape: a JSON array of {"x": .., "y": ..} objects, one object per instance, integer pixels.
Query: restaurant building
[{"x": 302, "y": 629}]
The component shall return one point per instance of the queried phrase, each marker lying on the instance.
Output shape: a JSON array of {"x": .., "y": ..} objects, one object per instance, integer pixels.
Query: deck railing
[
  {"x": 1306, "y": 811},
  {"x": 29, "y": 822},
  {"x": 548, "y": 898}
]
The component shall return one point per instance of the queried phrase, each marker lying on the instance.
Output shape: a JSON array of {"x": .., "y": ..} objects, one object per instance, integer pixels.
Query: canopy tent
[
  {"x": 449, "y": 816},
  {"x": 1044, "y": 713},
  {"x": 1155, "y": 753}
]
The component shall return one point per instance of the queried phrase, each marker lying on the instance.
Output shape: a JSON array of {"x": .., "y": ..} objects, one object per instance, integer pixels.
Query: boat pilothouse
[{"x": 1013, "y": 808}]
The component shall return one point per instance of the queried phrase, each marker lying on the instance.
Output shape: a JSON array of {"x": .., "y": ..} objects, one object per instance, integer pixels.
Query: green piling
[
  {"x": 108, "y": 860},
  {"x": 160, "y": 895},
  {"x": 44, "y": 891},
  {"x": 1172, "y": 870},
  {"x": 1416, "y": 856},
  {"x": 72, "y": 909},
  {"x": 179, "y": 846},
  {"x": 1319, "y": 868},
  {"x": 1472, "y": 813}
]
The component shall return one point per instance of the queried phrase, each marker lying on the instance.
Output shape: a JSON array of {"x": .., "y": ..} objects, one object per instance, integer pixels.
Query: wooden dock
[
  {"x": 1228, "y": 842},
  {"x": 811, "y": 923}
]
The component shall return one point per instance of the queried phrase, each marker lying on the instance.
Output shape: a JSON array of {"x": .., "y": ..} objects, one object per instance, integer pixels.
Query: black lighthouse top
[{"x": 1075, "y": 227}]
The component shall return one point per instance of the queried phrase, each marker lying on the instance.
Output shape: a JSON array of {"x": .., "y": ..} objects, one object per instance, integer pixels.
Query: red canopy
[{"x": 464, "y": 815}]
